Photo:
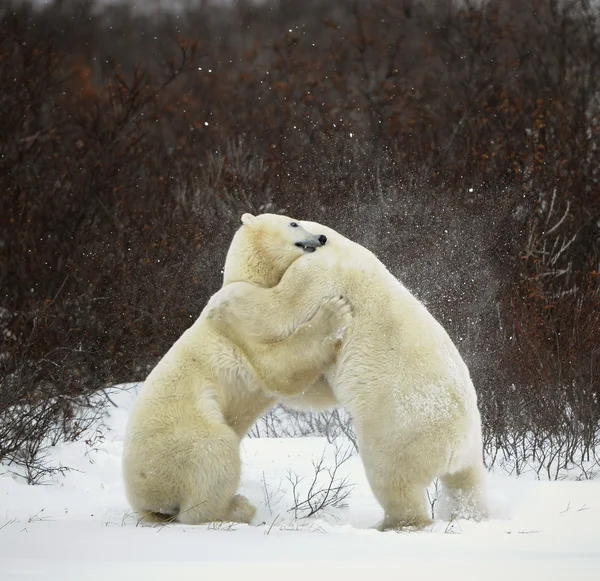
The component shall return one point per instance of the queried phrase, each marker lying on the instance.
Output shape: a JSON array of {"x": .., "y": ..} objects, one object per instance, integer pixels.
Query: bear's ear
[{"x": 248, "y": 219}]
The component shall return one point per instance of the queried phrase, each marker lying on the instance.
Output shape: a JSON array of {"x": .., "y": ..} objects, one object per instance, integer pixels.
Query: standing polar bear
[
  {"x": 397, "y": 372},
  {"x": 181, "y": 453}
]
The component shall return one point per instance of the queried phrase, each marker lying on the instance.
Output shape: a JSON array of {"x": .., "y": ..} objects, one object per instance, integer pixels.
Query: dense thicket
[{"x": 459, "y": 142}]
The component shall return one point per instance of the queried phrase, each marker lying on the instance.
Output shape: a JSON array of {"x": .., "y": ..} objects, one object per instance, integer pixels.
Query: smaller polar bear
[
  {"x": 181, "y": 453},
  {"x": 397, "y": 373}
]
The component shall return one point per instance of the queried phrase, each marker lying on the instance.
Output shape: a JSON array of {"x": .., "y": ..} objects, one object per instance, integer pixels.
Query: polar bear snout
[
  {"x": 310, "y": 245},
  {"x": 305, "y": 247}
]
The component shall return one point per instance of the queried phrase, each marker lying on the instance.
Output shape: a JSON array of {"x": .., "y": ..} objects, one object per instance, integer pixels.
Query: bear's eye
[{"x": 294, "y": 224}]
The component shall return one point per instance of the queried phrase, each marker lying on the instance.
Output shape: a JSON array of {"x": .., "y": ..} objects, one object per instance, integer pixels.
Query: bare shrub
[
  {"x": 458, "y": 141},
  {"x": 326, "y": 490},
  {"x": 284, "y": 422}
]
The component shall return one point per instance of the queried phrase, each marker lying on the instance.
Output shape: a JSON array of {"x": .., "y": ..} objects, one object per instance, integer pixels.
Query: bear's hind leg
[
  {"x": 464, "y": 493},
  {"x": 404, "y": 508},
  {"x": 211, "y": 481},
  {"x": 241, "y": 510},
  {"x": 401, "y": 497}
]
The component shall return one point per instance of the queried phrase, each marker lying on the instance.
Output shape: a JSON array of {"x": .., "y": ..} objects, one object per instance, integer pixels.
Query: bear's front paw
[{"x": 335, "y": 316}]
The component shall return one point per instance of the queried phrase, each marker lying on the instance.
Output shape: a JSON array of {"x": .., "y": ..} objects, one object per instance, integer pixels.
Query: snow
[{"x": 78, "y": 525}]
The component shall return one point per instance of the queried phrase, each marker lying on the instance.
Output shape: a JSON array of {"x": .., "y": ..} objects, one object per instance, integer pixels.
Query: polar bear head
[{"x": 265, "y": 246}]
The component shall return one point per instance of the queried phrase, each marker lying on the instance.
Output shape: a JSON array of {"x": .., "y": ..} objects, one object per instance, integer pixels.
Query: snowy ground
[{"x": 78, "y": 526}]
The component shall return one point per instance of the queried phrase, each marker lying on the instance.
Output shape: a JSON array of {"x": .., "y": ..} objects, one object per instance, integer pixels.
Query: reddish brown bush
[{"x": 459, "y": 143}]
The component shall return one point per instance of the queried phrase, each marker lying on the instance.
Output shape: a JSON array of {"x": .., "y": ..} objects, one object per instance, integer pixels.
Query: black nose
[{"x": 322, "y": 239}]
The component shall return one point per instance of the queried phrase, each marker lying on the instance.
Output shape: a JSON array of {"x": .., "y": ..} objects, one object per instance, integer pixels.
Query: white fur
[
  {"x": 397, "y": 373},
  {"x": 181, "y": 454}
]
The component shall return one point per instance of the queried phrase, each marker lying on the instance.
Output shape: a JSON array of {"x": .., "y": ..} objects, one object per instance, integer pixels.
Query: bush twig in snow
[{"x": 326, "y": 489}]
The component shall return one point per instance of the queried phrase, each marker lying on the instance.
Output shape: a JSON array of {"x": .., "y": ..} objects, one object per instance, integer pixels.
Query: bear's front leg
[
  {"x": 291, "y": 366},
  {"x": 270, "y": 314}
]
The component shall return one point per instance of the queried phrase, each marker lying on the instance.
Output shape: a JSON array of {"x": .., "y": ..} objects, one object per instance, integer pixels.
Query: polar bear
[
  {"x": 397, "y": 373},
  {"x": 181, "y": 453}
]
